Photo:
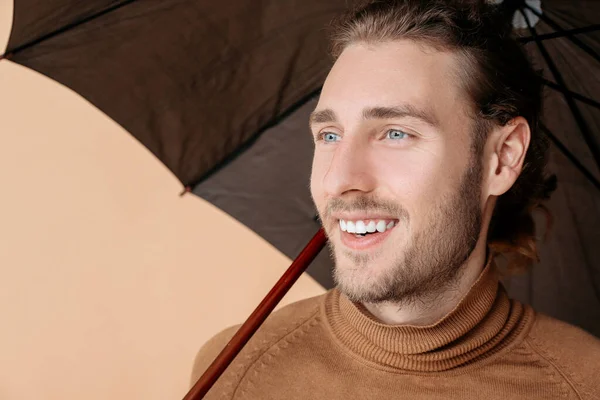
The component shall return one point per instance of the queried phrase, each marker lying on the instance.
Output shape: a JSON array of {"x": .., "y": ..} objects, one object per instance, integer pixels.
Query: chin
[{"x": 363, "y": 277}]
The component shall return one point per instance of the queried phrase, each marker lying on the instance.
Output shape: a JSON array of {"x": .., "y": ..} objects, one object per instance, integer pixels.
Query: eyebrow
[{"x": 404, "y": 110}]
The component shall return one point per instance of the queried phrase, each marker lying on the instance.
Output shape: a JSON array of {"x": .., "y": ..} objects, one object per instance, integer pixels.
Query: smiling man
[
  {"x": 427, "y": 165},
  {"x": 397, "y": 183}
]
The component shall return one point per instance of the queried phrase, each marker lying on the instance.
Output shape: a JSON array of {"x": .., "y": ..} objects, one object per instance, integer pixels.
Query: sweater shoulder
[
  {"x": 277, "y": 326},
  {"x": 574, "y": 353}
]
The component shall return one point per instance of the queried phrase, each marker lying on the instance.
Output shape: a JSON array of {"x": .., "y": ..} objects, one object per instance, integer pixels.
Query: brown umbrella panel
[
  {"x": 192, "y": 80},
  {"x": 565, "y": 45},
  {"x": 221, "y": 92},
  {"x": 196, "y": 82}
]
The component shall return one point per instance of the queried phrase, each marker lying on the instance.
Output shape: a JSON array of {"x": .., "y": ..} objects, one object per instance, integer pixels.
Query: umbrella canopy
[{"x": 221, "y": 93}]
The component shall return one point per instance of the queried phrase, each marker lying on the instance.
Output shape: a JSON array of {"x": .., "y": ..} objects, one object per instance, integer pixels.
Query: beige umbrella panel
[{"x": 110, "y": 280}]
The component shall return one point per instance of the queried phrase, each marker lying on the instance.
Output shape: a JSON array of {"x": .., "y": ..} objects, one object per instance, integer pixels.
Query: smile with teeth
[{"x": 361, "y": 227}]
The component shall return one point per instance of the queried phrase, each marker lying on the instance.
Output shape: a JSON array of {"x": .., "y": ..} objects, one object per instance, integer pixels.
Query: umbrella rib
[
  {"x": 589, "y": 139},
  {"x": 562, "y": 33},
  {"x": 570, "y": 156},
  {"x": 575, "y": 95},
  {"x": 560, "y": 29},
  {"x": 11, "y": 53},
  {"x": 294, "y": 107}
]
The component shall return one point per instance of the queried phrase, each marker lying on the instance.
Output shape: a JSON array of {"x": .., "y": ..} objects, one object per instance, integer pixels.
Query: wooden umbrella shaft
[{"x": 239, "y": 340}]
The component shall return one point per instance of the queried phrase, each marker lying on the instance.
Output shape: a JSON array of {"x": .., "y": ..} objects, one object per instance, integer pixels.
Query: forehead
[{"x": 387, "y": 74}]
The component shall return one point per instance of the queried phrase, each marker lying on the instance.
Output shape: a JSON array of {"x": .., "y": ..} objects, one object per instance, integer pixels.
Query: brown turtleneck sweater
[{"x": 489, "y": 347}]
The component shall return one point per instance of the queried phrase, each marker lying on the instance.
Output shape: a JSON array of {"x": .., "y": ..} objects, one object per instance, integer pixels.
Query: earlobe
[{"x": 509, "y": 155}]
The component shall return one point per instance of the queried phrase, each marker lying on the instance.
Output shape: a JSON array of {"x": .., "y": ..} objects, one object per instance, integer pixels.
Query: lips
[
  {"x": 364, "y": 242},
  {"x": 366, "y": 226}
]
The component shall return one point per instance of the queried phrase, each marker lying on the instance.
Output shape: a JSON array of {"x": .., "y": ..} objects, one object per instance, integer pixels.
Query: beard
[{"x": 432, "y": 260}]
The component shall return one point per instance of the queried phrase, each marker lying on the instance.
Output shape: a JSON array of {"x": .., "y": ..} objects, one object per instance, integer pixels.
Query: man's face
[{"x": 393, "y": 155}]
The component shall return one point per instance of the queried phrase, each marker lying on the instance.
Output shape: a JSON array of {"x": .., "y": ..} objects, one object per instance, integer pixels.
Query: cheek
[
  {"x": 318, "y": 171},
  {"x": 407, "y": 174},
  {"x": 416, "y": 180}
]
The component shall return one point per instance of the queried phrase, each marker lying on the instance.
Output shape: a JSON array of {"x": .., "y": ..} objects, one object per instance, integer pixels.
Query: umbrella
[
  {"x": 199, "y": 91},
  {"x": 563, "y": 40},
  {"x": 221, "y": 93}
]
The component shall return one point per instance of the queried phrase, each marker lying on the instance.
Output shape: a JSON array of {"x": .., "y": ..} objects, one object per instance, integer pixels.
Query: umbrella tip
[{"x": 186, "y": 189}]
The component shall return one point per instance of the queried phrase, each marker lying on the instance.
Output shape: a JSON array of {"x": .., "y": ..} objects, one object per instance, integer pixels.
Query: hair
[{"x": 499, "y": 81}]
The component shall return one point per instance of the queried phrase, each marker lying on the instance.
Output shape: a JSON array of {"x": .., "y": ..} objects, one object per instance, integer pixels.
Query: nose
[{"x": 350, "y": 170}]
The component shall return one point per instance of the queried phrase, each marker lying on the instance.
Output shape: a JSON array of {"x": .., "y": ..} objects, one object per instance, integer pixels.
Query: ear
[{"x": 508, "y": 146}]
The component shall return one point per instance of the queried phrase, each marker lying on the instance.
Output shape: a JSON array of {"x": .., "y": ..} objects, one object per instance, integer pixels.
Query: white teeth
[
  {"x": 360, "y": 227},
  {"x": 372, "y": 227},
  {"x": 350, "y": 228}
]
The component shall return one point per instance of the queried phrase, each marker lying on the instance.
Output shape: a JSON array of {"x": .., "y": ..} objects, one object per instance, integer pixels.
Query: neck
[{"x": 432, "y": 308}]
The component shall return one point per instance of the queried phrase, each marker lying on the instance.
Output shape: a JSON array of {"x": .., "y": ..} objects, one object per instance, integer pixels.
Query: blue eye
[
  {"x": 330, "y": 137},
  {"x": 396, "y": 134}
]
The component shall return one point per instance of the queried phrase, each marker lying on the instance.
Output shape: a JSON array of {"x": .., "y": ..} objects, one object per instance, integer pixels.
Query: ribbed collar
[{"x": 483, "y": 322}]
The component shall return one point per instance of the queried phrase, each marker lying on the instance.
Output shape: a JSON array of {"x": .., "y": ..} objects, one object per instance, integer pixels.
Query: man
[{"x": 427, "y": 165}]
